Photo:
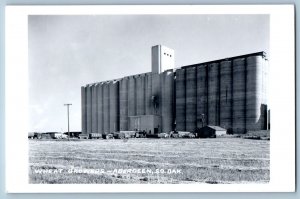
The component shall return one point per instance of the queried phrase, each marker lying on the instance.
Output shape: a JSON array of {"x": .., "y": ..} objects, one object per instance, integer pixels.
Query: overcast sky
[{"x": 67, "y": 52}]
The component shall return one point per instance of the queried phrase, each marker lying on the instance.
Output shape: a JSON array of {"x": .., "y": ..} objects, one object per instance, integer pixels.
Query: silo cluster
[
  {"x": 108, "y": 106},
  {"x": 231, "y": 93}
]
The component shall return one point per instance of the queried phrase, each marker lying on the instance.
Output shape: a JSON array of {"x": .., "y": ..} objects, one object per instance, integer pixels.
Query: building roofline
[
  {"x": 117, "y": 79},
  {"x": 261, "y": 53}
]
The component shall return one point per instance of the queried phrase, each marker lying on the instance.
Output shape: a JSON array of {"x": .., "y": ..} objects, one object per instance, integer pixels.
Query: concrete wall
[{"x": 144, "y": 123}]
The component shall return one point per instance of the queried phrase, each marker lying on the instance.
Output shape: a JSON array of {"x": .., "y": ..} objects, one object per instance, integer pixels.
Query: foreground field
[{"x": 221, "y": 160}]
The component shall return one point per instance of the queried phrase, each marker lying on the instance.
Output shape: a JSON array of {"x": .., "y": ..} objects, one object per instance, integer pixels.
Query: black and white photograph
[
  {"x": 149, "y": 99},
  {"x": 141, "y": 97}
]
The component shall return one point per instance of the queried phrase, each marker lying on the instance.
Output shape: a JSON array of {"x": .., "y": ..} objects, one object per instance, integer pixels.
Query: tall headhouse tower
[{"x": 162, "y": 58}]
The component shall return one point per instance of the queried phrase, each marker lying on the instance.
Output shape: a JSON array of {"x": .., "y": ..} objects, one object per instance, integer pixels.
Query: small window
[
  {"x": 170, "y": 55},
  {"x": 167, "y": 54},
  {"x": 164, "y": 53}
]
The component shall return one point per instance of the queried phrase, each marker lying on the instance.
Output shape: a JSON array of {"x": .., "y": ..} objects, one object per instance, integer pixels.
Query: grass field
[{"x": 215, "y": 161}]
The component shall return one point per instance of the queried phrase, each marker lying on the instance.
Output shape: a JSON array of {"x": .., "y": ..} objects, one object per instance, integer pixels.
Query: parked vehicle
[
  {"x": 163, "y": 135},
  {"x": 95, "y": 135},
  {"x": 174, "y": 134},
  {"x": 108, "y": 136},
  {"x": 60, "y": 136}
]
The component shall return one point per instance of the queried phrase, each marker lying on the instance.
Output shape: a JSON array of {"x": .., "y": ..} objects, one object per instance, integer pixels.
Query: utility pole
[{"x": 68, "y": 107}]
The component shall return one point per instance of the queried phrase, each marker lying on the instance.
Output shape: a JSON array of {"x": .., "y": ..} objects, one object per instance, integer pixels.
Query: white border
[{"x": 282, "y": 97}]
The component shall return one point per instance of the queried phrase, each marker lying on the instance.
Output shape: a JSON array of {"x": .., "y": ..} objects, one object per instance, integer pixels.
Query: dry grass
[{"x": 221, "y": 160}]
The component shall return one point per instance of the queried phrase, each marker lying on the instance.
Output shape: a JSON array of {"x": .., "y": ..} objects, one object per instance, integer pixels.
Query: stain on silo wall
[
  {"x": 148, "y": 94},
  {"x": 156, "y": 94},
  {"x": 140, "y": 95}
]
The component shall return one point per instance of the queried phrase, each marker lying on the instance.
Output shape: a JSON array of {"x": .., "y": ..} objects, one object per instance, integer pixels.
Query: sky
[{"x": 67, "y": 52}]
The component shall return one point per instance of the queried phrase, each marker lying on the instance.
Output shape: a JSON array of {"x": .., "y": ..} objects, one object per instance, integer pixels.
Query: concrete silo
[
  {"x": 114, "y": 106},
  {"x": 89, "y": 109},
  {"x": 213, "y": 94},
  {"x": 180, "y": 100},
  {"x": 191, "y": 99},
  {"x": 226, "y": 94},
  {"x": 167, "y": 94},
  {"x": 202, "y": 85},
  {"x": 239, "y": 95},
  {"x": 156, "y": 94},
  {"x": 255, "y": 112},
  {"x": 123, "y": 104},
  {"x": 106, "y": 108},
  {"x": 100, "y": 107},
  {"x": 148, "y": 95},
  {"x": 94, "y": 109},
  {"x": 83, "y": 110},
  {"x": 140, "y": 95},
  {"x": 131, "y": 96}
]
